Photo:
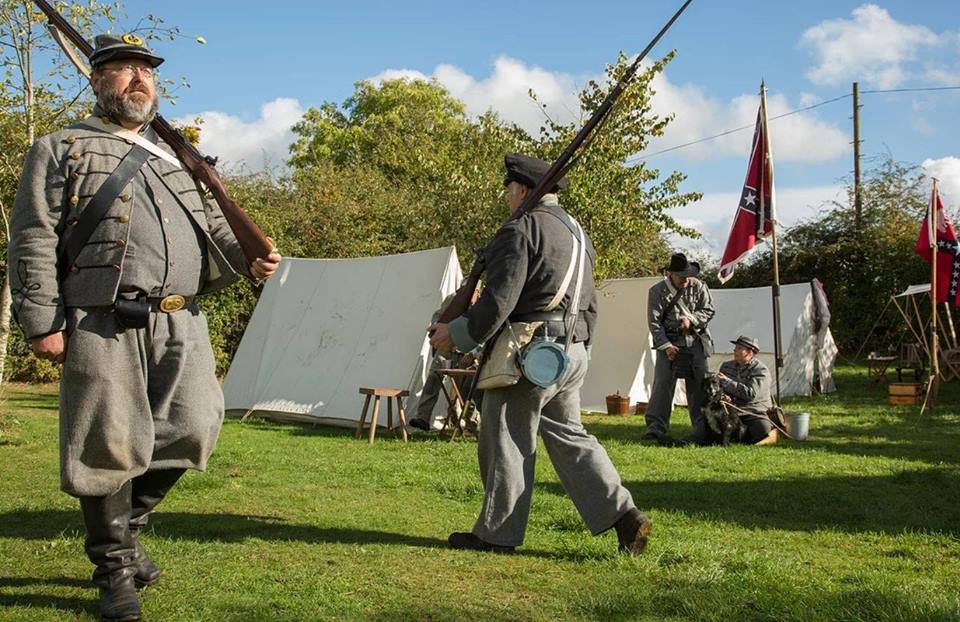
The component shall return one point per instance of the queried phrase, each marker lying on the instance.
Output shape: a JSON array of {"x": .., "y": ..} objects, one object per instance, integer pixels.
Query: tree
[
  {"x": 860, "y": 265},
  {"x": 442, "y": 171}
]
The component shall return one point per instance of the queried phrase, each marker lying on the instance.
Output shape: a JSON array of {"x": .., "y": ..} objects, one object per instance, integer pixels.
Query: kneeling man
[{"x": 746, "y": 381}]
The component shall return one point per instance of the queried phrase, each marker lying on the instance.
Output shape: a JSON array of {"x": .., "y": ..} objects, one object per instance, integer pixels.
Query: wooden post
[{"x": 857, "y": 197}]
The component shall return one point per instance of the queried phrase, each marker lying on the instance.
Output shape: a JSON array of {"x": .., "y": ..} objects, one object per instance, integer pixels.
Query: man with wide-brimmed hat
[
  {"x": 540, "y": 276},
  {"x": 111, "y": 243},
  {"x": 746, "y": 381},
  {"x": 679, "y": 308}
]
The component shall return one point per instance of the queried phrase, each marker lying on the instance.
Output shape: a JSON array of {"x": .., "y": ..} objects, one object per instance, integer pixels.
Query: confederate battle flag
[
  {"x": 754, "y": 218},
  {"x": 948, "y": 250}
]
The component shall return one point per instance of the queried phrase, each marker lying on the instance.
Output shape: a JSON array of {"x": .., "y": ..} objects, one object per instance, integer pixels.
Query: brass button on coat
[
  {"x": 121, "y": 243},
  {"x": 75, "y": 175},
  {"x": 123, "y": 218},
  {"x": 74, "y": 200},
  {"x": 71, "y": 139},
  {"x": 76, "y": 156},
  {"x": 125, "y": 197},
  {"x": 116, "y": 267}
]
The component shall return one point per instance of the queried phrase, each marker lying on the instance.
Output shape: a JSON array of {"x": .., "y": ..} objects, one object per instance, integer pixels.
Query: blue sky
[{"x": 265, "y": 63}]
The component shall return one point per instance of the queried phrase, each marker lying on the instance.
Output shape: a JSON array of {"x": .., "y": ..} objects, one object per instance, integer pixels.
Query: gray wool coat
[{"x": 131, "y": 399}]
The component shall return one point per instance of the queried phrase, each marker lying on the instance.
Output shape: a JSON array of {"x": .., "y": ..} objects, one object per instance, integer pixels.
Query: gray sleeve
[
  {"x": 223, "y": 236},
  {"x": 655, "y": 304},
  {"x": 755, "y": 387},
  {"x": 507, "y": 257},
  {"x": 704, "y": 310},
  {"x": 32, "y": 249}
]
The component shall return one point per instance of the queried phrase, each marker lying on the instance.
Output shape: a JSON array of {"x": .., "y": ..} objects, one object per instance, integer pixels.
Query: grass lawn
[{"x": 292, "y": 522}]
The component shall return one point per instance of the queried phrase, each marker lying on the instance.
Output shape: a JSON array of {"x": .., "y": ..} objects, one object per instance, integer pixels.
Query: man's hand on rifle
[
  {"x": 263, "y": 268},
  {"x": 440, "y": 338},
  {"x": 685, "y": 324}
]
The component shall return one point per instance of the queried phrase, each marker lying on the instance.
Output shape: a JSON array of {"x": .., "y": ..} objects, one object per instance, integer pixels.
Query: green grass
[{"x": 293, "y": 522}]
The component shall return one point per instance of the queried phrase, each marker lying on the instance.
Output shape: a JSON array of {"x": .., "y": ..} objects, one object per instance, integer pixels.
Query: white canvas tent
[
  {"x": 325, "y": 327},
  {"x": 622, "y": 359}
]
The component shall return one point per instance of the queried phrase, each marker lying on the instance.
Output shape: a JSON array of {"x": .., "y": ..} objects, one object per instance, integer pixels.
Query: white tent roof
[
  {"x": 914, "y": 289},
  {"x": 325, "y": 327},
  {"x": 622, "y": 358}
]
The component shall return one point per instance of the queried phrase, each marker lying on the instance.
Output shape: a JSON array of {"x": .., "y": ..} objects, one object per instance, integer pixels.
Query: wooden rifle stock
[
  {"x": 461, "y": 301},
  {"x": 254, "y": 243}
]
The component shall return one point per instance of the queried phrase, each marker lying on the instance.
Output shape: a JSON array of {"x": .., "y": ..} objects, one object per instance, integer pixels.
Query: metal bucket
[{"x": 798, "y": 425}]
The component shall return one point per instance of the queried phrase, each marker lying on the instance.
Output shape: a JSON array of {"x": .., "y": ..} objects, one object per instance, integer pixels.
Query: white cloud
[
  {"x": 800, "y": 137},
  {"x": 506, "y": 91},
  {"x": 253, "y": 144},
  {"x": 713, "y": 214},
  {"x": 947, "y": 171},
  {"x": 871, "y": 47}
]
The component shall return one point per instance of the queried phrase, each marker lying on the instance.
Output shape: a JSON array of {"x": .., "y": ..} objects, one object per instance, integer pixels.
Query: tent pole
[
  {"x": 766, "y": 170},
  {"x": 923, "y": 325},
  {"x": 920, "y": 341},
  {"x": 949, "y": 322}
]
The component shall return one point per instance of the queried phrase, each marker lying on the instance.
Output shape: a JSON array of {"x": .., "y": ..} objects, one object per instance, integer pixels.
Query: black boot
[
  {"x": 110, "y": 547},
  {"x": 148, "y": 490},
  {"x": 633, "y": 530}
]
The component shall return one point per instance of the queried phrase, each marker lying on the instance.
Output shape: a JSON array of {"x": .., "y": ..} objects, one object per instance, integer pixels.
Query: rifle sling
[{"x": 100, "y": 204}]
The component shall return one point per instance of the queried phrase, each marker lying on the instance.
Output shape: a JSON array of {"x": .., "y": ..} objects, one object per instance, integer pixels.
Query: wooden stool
[
  {"x": 376, "y": 393},
  {"x": 877, "y": 367}
]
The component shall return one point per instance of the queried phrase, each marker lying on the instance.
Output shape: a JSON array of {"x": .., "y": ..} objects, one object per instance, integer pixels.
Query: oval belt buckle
[{"x": 172, "y": 303}]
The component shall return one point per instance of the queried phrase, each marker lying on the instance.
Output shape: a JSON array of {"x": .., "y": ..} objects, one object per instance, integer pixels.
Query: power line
[
  {"x": 642, "y": 156},
  {"x": 928, "y": 88}
]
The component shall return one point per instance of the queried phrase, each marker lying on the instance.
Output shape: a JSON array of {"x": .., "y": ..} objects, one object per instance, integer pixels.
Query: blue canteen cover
[{"x": 544, "y": 363}]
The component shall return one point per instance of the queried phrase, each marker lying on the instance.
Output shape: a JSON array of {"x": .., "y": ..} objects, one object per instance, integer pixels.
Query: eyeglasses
[{"x": 131, "y": 70}]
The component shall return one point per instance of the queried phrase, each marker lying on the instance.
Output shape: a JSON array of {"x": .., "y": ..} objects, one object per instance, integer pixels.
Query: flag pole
[
  {"x": 930, "y": 397},
  {"x": 767, "y": 169}
]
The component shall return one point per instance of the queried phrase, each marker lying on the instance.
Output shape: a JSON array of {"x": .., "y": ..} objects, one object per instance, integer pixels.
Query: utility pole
[{"x": 857, "y": 197}]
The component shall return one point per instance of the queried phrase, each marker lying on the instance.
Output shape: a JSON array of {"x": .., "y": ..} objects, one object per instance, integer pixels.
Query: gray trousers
[
  {"x": 507, "y": 452},
  {"x": 665, "y": 383},
  {"x": 431, "y": 389},
  {"x": 133, "y": 400}
]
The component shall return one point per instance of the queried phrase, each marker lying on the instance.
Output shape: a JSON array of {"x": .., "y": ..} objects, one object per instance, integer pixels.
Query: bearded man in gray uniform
[
  {"x": 139, "y": 397},
  {"x": 678, "y": 310},
  {"x": 526, "y": 264}
]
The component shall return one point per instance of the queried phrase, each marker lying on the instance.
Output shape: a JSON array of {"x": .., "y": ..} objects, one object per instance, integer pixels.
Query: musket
[
  {"x": 254, "y": 243},
  {"x": 558, "y": 169}
]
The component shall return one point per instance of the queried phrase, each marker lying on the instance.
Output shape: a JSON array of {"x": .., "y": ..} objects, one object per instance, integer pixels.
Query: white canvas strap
[
  {"x": 684, "y": 309},
  {"x": 555, "y": 301},
  {"x": 102, "y": 124}
]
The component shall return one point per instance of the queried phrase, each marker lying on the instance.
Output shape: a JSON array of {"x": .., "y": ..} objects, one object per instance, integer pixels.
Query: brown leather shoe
[
  {"x": 466, "y": 541},
  {"x": 633, "y": 529}
]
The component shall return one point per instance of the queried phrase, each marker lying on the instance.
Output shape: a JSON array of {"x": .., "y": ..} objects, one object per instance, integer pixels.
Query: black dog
[{"x": 723, "y": 423}]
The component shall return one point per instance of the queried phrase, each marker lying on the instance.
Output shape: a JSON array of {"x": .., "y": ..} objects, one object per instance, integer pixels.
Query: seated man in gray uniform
[
  {"x": 678, "y": 310},
  {"x": 527, "y": 266},
  {"x": 746, "y": 381},
  {"x": 111, "y": 242}
]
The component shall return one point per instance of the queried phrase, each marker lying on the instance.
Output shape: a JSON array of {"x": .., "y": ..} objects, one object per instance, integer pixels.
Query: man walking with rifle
[
  {"x": 111, "y": 243},
  {"x": 539, "y": 286}
]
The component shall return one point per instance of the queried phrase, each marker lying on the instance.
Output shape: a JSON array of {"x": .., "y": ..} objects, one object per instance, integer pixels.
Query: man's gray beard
[{"x": 122, "y": 107}]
